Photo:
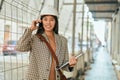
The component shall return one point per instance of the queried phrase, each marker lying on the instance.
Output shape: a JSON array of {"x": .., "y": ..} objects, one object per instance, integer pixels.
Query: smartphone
[{"x": 39, "y": 24}]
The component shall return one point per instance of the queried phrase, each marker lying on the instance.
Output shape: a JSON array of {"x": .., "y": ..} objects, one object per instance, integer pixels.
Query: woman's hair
[{"x": 41, "y": 29}]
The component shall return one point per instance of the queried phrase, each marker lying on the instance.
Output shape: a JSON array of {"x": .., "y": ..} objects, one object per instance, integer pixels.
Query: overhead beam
[
  {"x": 103, "y": 11},
  {"x": 72, "y": 3},
  {"x": 102, "y": 17},
  {"x": 101, "y": 2},
  {"x": 79, "y": 11}
]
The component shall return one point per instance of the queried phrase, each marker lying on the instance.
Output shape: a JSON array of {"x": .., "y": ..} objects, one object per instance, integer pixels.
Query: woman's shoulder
[{"x": 62, "y": 37}]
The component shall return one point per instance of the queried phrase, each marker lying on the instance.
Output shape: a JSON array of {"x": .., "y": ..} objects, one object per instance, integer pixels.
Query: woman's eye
[
  {"x": 52, "y": 20},
  {"x": 45, "y": 19}
]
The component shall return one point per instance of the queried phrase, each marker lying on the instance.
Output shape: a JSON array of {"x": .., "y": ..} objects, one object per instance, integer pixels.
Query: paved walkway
[{"x": 102, "y": 68}]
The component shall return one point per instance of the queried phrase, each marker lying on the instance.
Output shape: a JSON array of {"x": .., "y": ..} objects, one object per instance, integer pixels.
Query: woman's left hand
[{"x": 72, "y": 61}]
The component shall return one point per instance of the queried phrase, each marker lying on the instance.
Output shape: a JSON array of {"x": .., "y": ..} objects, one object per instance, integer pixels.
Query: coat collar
[{"x": 57, "y": 42}]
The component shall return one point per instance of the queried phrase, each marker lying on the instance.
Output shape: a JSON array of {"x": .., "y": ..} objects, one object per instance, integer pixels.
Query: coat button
[
  {"x": 47, "y": 69},
  {"x": 57, "y": 76}
]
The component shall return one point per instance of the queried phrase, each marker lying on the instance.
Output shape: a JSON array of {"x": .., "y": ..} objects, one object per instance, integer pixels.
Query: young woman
[{"x": 42, "y": 66}]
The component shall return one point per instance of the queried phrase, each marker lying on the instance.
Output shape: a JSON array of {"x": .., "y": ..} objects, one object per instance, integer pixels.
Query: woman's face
[{"x": 48, "y": 23}]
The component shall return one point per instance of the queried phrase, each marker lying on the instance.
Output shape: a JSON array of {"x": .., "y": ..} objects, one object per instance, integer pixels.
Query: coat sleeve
[
  {"x": 66, "y": 56},
  {"x": 24, "y": 43}
]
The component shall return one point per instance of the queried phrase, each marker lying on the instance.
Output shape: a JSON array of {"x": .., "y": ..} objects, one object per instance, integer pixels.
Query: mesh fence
[{"x": 15, "y": 16}]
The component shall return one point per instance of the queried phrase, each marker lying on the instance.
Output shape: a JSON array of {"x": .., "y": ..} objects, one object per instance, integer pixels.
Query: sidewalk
[{"x": 102, "y": 68}]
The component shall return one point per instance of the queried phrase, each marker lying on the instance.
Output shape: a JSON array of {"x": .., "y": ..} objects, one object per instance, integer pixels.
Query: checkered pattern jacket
[{"x": 40, "y": 57}]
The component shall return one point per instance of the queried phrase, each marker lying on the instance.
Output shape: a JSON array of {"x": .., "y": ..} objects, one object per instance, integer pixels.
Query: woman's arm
[
  {"x": 24, "y": 43},
  {"x": 66, "y": 54},
  {"x": 72, "y": 60}
]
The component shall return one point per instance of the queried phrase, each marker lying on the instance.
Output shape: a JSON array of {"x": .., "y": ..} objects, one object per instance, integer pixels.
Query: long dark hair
[{"x": 41, "y": 29}]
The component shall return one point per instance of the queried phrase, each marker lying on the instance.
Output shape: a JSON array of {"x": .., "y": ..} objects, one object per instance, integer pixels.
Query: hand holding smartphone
[{"x": 35, "y": 24}]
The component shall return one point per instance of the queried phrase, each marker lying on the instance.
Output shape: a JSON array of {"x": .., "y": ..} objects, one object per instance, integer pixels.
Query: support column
[{"x": 74, "y": 25}]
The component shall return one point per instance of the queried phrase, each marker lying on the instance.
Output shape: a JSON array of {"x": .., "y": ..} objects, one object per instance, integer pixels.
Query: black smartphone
[{"x": 39, "y": 24}]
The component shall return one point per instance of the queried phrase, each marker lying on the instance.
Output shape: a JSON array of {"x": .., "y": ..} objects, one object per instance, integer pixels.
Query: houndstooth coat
[{"x": 40, "y": 58}]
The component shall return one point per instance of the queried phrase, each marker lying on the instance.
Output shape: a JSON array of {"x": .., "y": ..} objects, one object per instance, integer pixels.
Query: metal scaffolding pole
[
  {"x": 1, "y": 4},
  {"x": 56, "y": 4},
  {"x": 81, "y": 40},
  {"x": 74, "y": 25}
]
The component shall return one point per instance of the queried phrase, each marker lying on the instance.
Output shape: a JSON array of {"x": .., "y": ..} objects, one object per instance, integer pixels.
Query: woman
[{"x": 42, "y": 65}]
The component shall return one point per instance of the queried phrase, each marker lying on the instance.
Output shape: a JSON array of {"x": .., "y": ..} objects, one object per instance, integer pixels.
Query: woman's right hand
[{"x": 33, "y": 25}]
